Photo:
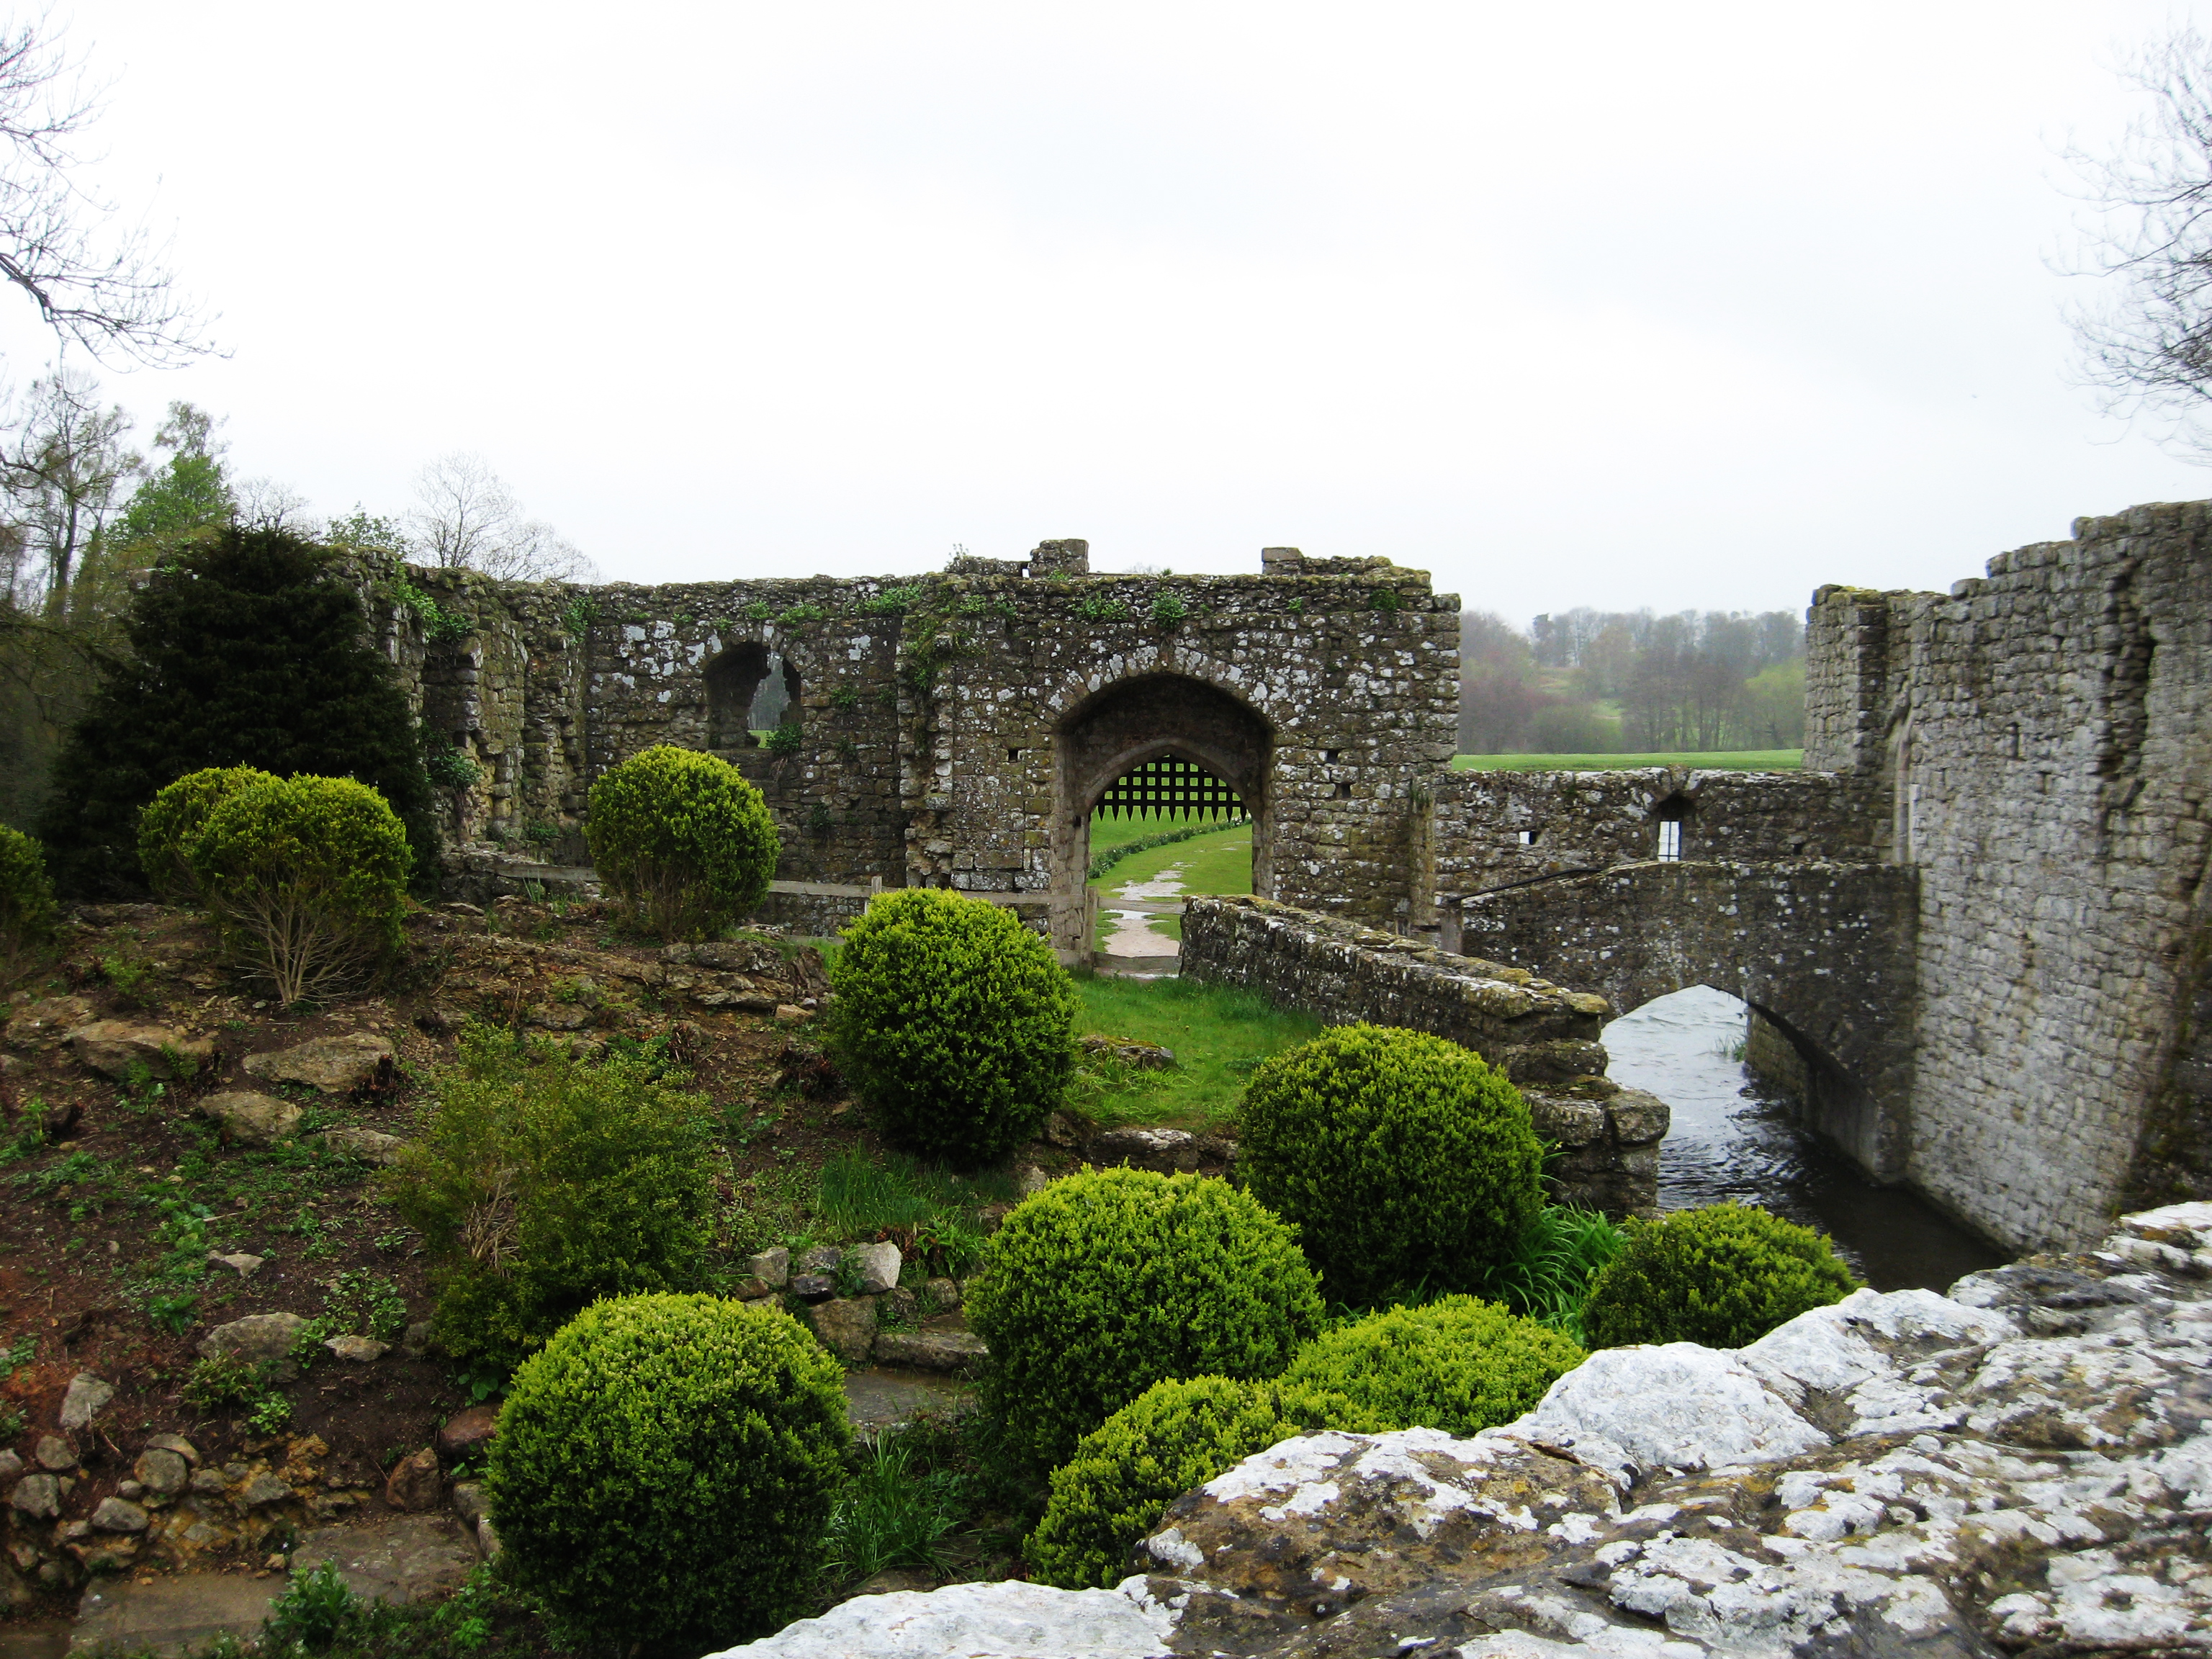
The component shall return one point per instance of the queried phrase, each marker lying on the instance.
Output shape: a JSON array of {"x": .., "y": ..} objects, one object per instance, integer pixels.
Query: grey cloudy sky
[{"x": 1610, "y": 304}]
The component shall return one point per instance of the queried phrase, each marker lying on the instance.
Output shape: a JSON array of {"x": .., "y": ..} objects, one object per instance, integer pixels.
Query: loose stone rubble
[{"x": 2024, "y": 1464}]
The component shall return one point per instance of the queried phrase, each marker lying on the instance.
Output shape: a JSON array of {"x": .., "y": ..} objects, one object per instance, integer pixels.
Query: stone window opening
[
  {"x": 1673, "y": 814},
  {"x": 1528, "y": 837},
  {"x": 1330, "y": 756},
  {"x": 1013, "y": 754},
  {"x": 748, "y": 688}
]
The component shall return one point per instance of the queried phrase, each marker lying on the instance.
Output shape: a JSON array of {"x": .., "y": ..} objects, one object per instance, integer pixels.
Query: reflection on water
[{"x": 1728, "y": 1143}]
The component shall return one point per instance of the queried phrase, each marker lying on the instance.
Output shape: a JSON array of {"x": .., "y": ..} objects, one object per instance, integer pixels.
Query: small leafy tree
[
  {"x": 684, "y": 838},
  {"x": 172, "y": 820},
  {"x": 27, "y": 898},
  {"x": 539, "y": 1182},
  {"x": 307, "y": 878}
]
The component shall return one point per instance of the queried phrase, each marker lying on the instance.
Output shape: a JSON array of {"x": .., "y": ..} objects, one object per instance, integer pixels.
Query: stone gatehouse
[{"x": 1976, "y": 924}]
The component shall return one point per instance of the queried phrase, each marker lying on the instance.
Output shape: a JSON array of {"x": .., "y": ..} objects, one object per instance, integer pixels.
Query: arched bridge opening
[
  {"x": 1160, "y": 747},
  {"x": 1822, "y": 953}
]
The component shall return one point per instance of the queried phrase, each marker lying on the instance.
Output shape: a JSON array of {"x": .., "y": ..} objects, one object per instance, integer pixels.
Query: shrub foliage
[
  {"x": 172, "y": 820},
  {"x": 306, "y": 879},
  {"x": 26, "y": 897},
  {"x": 1456, "y": 1363},
  {"x": 1111, "y": 1280},
  {"x": 684, "y": 838},
  {"x": 664, "y": 1472},
  {"x": 247, "y": 651},
  {"x": 1170, "y": 1438},
  {"x": 540, "y": 1182},
  {"x": 953, "y": 1021},
  {"x": 1400, "y": 1158},
  {"x": 1723, "y": 1276}
]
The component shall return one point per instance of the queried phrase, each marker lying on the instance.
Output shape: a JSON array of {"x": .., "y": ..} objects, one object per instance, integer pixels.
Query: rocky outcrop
[{"x": 2024, "y": 1464}]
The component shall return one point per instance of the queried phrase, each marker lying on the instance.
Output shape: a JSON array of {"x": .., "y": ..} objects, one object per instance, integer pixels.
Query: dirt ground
[{"x": 113, "y": 1193}]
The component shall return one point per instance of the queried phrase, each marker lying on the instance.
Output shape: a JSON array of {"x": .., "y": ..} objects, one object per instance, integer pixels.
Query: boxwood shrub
[
  {"x": 664, "y": 1471},
  {"x": 684, "y": 838},
  {"x": 1725, "y": 1275},
  {"x": 1111, "y": 1280},
  {"x": 174, "y": 819},
  {"x": 1170, "y": 1439},
  {"x": 1402, "y": 1159},
  {"x": 1456, "y": 1365},
  {"x": 26, "y": 897},
  {"x": 306, "y": 879},
  {"x": 953, "y": 1021}
]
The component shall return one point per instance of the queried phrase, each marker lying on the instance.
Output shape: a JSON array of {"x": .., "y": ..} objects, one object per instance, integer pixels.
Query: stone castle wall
[
  {"x": 1497, "y": 829},
  {"x": 2042, "y": 743},
  {"x": 954, "y": 729}
]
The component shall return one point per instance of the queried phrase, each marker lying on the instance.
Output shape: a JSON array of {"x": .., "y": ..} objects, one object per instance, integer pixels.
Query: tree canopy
[{"x": 245, "y": 651}]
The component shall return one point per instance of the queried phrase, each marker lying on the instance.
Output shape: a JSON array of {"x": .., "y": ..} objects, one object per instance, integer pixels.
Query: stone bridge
[{"x": 1822, "y": 952}]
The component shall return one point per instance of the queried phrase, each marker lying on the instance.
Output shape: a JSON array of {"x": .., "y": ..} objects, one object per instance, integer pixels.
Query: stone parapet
[{"x": 1539, "y": 1033}]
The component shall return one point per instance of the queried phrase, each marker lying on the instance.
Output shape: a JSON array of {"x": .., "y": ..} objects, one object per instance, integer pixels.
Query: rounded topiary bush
[
  {"x": 1401, "y": 1158},
  {"x": 1456, "y": 1365},
  {"x": 953, "y": 1021},
  {"x": 684, "y": 838},
  {"x": 664, "y": 1472},
  {"x": 1111, "y": 1280},
  {"x": 1170, "y": 1438},
  {"x": 1722, "y": 1276},
  {"x": 174, "y": 819},
  {"x": 26, "y": 897},
  {"x": 307, "y": 878}
]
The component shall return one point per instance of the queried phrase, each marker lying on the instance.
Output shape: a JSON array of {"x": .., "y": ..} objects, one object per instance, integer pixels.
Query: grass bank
[
  {"x": 1212, "y": 861},
  {"x": 1727, "y": 759},
  {"x": 1219, "y": 1035}
]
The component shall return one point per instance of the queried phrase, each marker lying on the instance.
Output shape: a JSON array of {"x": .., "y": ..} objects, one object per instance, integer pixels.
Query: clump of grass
[
  {"x": 929, "y": 1214},
  {"x": 1548, "y": 1276},
  {"x": 897, "y": 1510}
]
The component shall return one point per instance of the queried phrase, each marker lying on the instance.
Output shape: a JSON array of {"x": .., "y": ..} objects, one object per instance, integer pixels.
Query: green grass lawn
[
  {"x": 1219, "y": 861},
  {"x": 1731, "y": 759},
  {"x": 1218, "y": 1033}
]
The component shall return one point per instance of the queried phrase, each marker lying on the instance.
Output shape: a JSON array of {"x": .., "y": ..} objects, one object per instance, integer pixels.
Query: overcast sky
[{"x": 1615, "y": 305}]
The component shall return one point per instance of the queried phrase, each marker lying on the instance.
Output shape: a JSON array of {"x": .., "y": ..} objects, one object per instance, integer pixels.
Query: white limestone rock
[
  {"x": 1678, "y": 1407},
  {"x": 1010, "y": 1620}
]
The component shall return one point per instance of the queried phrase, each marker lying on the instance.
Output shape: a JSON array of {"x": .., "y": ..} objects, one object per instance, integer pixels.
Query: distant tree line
[{"x": 1597, "y": 681}]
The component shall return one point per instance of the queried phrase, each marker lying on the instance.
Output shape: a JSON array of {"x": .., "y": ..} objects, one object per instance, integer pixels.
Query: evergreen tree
[{"x": 245, "y": 652}]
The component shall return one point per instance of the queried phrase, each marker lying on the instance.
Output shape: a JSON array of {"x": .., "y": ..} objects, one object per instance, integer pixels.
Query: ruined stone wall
[
  {"x": 1495, "y": 829},
  {"x": 1539, "y": 1033},
  {"x": 2042, "y": 736},
  {"x": 953, "y": 729}
]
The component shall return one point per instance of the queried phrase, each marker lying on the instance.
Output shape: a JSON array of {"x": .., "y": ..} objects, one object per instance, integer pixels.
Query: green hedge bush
[
  {"x": 306, "y": 879},
  {"x": 953, "y": 1021},
  {"x": 26, "y": 897},
  {"x": 663, "y": 1473},
  {"x": 1723, "y": 1276},
  {"x": 1170, "y": 1438},
  {"x": 1400, "y": 1158},
  {"x": 684, "y": 838},
  {"x": 172, "y": 820},
  {"x": 539, "y": 1182},
  {"x": 1454, "y": 1364},
  {"x": 1111, "y": 1280}
]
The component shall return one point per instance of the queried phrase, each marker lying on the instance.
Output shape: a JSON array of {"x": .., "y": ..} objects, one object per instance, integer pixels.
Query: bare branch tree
[
  {"x": 99, "y": 284},
  {"x": 2147, "y": 342},
  {"x": 63, "y": 473},
  {"x": 468, "y": 516}
]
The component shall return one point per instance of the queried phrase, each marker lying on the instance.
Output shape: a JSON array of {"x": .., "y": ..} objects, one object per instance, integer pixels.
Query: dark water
[{"x": 1729, "y": 1142}]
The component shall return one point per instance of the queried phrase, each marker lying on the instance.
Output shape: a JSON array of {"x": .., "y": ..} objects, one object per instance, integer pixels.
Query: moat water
[{"x": 1729, "y": 1140}]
